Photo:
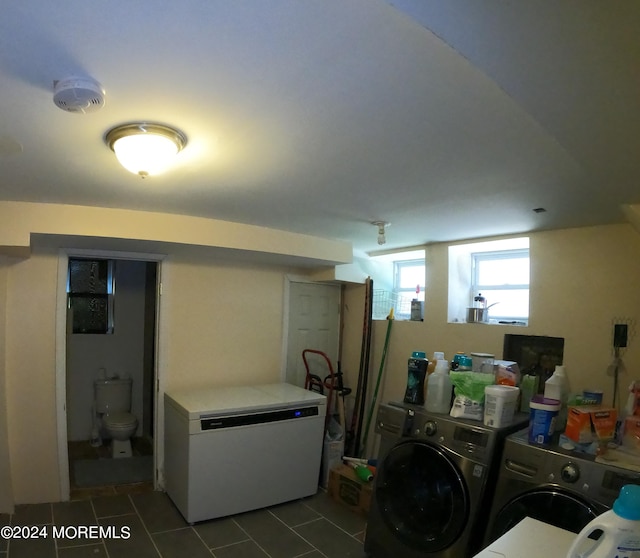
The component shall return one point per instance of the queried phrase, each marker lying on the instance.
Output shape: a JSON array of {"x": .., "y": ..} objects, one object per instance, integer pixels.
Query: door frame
[
  {"x": 286, "y": 307},
  {"x": 61, "y": 360}
]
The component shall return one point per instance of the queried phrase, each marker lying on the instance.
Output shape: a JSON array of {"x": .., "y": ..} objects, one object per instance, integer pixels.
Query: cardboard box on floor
[
  {"x": 345, "y": 487},
  {"x": 332, "y": 453}
]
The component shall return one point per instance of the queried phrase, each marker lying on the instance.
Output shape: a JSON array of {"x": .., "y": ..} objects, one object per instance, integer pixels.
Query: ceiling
[{"x": 450, "y": 120}]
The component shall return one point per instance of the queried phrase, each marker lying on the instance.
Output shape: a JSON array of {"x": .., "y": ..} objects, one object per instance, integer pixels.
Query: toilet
[{"x": 113, "y": 405}]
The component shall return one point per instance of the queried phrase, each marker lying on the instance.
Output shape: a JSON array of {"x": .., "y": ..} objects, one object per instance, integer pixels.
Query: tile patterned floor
[
  {"x": 314, "y": 527},
  {"x": 84, "y": 450}
]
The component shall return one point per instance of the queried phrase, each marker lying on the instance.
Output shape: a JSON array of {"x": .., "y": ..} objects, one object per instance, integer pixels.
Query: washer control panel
[
  {"x": 430, "y": 428},
  {"x": 465, "y": 439},
  {"x": 570, "y": 472}
]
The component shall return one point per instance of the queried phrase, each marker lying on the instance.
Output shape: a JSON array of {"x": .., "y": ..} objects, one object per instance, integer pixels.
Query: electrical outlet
[{"x": 620, "y": 332}]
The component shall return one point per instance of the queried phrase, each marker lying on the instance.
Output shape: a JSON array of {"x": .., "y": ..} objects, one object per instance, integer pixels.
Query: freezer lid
[
  {"x": 213, "y": 401},
  {"x": 288, "y": 393}
]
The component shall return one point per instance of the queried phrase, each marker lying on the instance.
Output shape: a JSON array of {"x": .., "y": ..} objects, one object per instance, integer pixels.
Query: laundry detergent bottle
[
  {"x": 417, "y": 372},
  {"x": 620, "y": 528}
]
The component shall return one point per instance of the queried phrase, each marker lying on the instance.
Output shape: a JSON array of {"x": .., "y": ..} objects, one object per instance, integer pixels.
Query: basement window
[
  {"x": 498, "y": 271},
  {"x": 502, "y": 277},
  {"x": 90, "y": 295},
  {"x": 399, "y": 283}
]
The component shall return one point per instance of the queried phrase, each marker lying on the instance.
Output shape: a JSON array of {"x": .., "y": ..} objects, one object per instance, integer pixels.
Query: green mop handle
[{"x": 375, "y": 393}]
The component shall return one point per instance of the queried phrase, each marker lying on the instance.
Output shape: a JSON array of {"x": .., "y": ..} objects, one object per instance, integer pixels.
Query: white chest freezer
[{"x": 233, "y": 449}]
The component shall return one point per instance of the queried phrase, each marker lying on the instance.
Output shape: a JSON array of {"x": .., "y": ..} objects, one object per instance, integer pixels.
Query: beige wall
[
  {"x": 581, "y": 281},
  {"x": 221, "y": 321},
  {"x": 30, "y": 370},
  {"x": 19, "y": 221},
  {"x": 6, "y": 491},
  {"x": 222, "y": 324}
]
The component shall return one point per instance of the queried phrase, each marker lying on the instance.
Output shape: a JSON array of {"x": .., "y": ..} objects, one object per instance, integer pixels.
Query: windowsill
[
  {"x": 395, "y": 319},
  {"x": 516, "y": 323}
]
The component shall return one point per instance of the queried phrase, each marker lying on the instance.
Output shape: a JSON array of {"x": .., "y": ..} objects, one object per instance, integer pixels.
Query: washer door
[
  {"x": 422, "y": 496},
  {"x": 553, "y": 506}
]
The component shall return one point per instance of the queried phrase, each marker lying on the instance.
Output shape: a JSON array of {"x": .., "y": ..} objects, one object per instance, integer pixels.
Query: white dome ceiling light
[
  {"x": 145, "y": 148},
  {"x": 78, "y": 95}
]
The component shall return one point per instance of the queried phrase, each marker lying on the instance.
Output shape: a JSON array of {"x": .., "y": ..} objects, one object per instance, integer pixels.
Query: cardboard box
[
  {"x": 591, "y": 423},
  {"x": 345, "y": 487},
  {"x": 332, "y": 452},
  {"x": 631, "y": 433}
]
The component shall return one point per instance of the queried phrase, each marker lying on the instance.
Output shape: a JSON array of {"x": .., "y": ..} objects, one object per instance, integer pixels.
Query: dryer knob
[
  {"x": 430, "y": 428},
  {"x": 570, "y": 472}
]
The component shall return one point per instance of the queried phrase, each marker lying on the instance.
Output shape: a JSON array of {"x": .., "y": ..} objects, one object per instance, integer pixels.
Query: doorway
[
  {"x": 125, "y": 351},
  {"x": 313, "y": 322}
]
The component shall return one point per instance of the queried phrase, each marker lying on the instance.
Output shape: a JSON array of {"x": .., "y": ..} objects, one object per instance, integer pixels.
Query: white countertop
[
  {"x": 236, "y": 399},
  {"x": 530, "y": 539}
]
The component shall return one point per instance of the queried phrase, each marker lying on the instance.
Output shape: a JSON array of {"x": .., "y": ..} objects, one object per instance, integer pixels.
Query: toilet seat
[{"x": 120, "y": 421}]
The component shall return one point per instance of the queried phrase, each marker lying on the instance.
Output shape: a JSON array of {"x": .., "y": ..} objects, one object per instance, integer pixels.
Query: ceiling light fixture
[
  {"x": 381, "y": 231},
  {"x": 145, "y": 148}
]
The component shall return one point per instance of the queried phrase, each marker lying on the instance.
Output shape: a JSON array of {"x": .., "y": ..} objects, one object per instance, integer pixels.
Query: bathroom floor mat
[{"x": 101, "y": 472}]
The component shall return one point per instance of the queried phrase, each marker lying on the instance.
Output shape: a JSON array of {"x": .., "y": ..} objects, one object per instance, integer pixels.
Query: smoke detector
[{"x": 78, "y": 95}]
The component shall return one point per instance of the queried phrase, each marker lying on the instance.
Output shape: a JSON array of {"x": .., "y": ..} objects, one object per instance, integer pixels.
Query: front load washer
[
  {"x": 435, "y": 476},
  {"x": 561, "y": 487}
]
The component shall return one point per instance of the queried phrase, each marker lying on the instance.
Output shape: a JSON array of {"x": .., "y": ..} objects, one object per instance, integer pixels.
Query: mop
[{"x": 380, "y": 371}]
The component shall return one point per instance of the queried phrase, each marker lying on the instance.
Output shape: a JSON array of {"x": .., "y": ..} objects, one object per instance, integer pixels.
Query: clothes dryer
[
  {"x": 433, "y": 484},
  {"x": 561, "y": 487}
]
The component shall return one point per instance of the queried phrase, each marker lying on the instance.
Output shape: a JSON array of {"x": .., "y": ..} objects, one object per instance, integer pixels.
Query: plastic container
[
  {"x": 529, "y": 387},
  {"x": 416, "y": 374},
  {"x": 461, "y": 363},
  {"x": 432, "y": 363},
  {"x": 557, "y": 387},
  {"x": 592, "y": 397},
  {"x": 439, "y": 389},
  {"x": 500, "y": 405},
  {"x": 482, "y": 362},
  {"x": 620, "y": 528},
  {"x": 543, "y": 415}
]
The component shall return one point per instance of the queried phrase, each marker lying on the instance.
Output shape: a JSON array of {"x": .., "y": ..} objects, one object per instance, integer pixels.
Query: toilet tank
[{"x": 113, "y": 395}]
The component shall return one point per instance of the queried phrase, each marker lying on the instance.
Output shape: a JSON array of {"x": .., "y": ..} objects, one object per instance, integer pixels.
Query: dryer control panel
[{"x": 552, "y": 465}]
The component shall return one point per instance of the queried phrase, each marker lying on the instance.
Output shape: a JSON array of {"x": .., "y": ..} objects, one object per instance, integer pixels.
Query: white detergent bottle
[
  {"x": 439, "y": 388},
  {"x": 620, "y": 528},
  {"x": 557, "y": 387}
]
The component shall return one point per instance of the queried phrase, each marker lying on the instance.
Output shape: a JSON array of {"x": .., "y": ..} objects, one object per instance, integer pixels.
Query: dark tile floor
[
  {"x": 145, "y": 523},
  {"x": 84, "y": 450}
]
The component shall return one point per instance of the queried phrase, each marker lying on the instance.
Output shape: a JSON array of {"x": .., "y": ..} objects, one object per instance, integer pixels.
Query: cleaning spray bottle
[
  {"x": 417, "y": 371},
  {"x": 620, "y": 528}
]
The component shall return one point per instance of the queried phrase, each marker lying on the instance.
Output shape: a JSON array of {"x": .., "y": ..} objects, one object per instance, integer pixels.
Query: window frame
[
  {"x": 404, "y": 295},
  {"x": 398, "y": 266},
  {"x": 107, "y": 297},
  {"x": 384, "y": 273},
  {"x": 494, "y": 255}
]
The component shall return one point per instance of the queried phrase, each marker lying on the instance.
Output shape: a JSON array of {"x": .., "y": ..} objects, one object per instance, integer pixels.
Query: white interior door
[{"x": 313, "y": 323}]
